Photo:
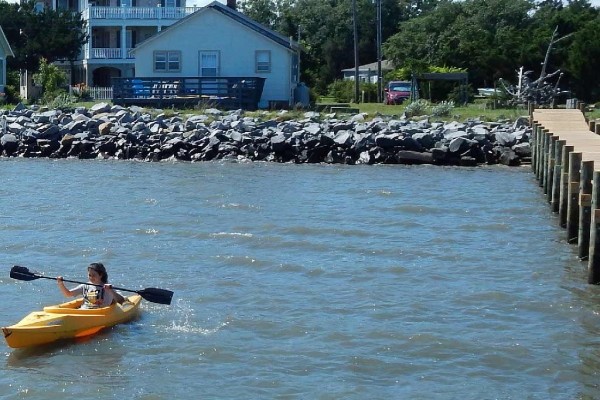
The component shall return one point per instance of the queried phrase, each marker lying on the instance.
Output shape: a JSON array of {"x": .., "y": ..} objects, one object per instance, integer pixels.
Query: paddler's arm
[
  {"x": 118, "y": 298},
  {"x": 63, "y": 288}
]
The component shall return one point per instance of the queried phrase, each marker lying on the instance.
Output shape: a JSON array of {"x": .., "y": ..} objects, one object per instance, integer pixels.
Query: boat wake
[{"x": 186, "y": 323}]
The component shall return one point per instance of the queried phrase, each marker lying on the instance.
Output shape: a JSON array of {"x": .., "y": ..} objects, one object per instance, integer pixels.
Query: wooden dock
[{"x": 566, "y": 160}]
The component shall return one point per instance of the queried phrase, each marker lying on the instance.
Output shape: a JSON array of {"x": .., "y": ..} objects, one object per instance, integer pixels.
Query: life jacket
[{"x": 93, "y": 296}]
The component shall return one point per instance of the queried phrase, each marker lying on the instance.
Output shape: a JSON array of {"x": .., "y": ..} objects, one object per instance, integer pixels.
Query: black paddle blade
[
  {"x": 22, "y": 274},
  {"x": 155, "y": 295}
]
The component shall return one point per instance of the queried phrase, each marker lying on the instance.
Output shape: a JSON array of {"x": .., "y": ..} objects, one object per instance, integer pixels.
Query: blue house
[{"x": 5, "y": 52}]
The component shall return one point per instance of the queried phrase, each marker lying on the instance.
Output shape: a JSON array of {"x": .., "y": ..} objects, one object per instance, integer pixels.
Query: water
[{"x": 301, "y": 282}]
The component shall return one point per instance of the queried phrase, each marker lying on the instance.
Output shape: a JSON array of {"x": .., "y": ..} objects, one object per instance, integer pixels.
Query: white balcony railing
[
  {"x": 111, "y": 53},
  {"x": 97, "y": 12},
  {"x": 99, "y": 52}
]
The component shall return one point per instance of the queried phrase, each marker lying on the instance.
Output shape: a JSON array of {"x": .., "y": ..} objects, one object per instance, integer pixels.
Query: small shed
[
  {"x": 461, "y": 77},
  {"x": 368, "y": 72}
]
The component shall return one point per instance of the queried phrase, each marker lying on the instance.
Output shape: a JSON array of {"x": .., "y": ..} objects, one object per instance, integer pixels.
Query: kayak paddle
[{"x": 155, "y": 295}]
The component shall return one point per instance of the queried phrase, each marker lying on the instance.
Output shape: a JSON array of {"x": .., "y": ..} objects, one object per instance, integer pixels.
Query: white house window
[
  {"x": 209, "y": 63},
  {"x": 263, "y": 60},
  {"x": 167, "y": 61}
]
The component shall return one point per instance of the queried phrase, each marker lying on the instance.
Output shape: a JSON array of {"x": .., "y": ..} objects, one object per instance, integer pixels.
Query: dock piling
[
  {"x": 594, "y": 252},
  {"x": 565, "y": 158},
  {"x": 555, "y": 201},
  {"x": 564, "y": 187},
  {"x": 585, "y": 209},
  {"x": 573, "y": 196}
]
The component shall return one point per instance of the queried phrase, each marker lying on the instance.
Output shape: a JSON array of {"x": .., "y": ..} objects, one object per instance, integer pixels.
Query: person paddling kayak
[{"x": 97, "y": 292}]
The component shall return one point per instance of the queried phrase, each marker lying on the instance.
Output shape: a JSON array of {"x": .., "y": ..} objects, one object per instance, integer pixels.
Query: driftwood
[{"x": 540, "y": 91}]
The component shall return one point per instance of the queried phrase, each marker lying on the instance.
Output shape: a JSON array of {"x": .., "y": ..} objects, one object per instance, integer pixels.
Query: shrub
[
  {"x": 442, "y": 109},
  {"x": 416, "y": 108},
  {"x": 343, "y": 91},
  {"x": 81, "y": 92},
  {"x": 51, "y": 79},
  {"x": 11, "y": 90},
  {"x": 62, "y": 100}
]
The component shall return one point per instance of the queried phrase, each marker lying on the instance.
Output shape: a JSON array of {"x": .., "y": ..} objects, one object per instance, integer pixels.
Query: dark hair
[{"x": 99, "y": 268}]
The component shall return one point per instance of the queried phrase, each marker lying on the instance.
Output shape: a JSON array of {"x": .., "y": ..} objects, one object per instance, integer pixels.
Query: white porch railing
[
  {"x": 110, "y": 53},
  {"x": 98, "y": 12},
  {"x": 94, "y": 92},
  {"x": 106, "y": 52}
]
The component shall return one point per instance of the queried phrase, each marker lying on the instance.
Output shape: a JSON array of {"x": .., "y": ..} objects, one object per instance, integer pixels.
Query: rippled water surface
[{"x": 301, "y": 282}]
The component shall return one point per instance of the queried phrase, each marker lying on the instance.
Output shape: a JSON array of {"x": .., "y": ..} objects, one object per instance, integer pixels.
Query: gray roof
[
  {"x": 4, "y": 44},
  {"x": 385, "y": 65},
  {"x": 236, "y": 16}
]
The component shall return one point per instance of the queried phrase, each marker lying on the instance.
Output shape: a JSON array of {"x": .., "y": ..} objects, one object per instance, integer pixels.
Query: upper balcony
[{"x": 137, "y": 13}]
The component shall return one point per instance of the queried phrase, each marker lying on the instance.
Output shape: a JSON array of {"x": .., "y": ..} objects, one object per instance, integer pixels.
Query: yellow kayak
[{"x": 67, "y": 321}]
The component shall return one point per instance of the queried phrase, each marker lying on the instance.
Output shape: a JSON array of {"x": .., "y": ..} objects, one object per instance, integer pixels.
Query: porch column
[
  {"x": 88, "y": 78},
  {"x": 123, "y": 42}
]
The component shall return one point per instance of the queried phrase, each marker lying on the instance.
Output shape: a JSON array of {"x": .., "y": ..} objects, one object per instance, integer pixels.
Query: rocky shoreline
[{"x": 113, "y": 132}]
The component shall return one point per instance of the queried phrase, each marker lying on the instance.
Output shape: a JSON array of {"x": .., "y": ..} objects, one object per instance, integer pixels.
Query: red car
[{"x": 397, "y": 91}]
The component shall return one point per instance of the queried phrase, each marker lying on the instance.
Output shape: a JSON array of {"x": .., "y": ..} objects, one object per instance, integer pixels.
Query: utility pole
[
  {"x": 379, "y": 77},
  {"x": 356, "y": 83}
]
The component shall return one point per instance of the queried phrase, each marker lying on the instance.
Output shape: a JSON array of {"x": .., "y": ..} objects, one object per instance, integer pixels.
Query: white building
[
  {"x": 114, "y": 28},
  {"x": 368, "y": 72}
]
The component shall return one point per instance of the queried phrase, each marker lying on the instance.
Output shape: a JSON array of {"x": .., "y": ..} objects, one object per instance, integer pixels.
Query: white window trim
[
  {"x": 201, "y": 67},
  {"x": 259, "y": 65},
  {"x": 168, "y": 55}
]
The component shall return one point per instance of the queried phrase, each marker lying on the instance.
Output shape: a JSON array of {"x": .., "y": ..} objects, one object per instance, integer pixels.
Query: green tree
[
  {"x": 583, "y": 60},
  {"x": 51, "y": 34},
  {"x": 263, "y": 11},
  {"x": 576, "y": 55},
  {"x": 51, "y": 79},
  {"x": 486, "y": 37}
]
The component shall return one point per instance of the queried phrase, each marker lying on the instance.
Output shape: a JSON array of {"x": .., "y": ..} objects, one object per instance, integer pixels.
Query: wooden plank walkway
[{"x": 566, "y": 160}]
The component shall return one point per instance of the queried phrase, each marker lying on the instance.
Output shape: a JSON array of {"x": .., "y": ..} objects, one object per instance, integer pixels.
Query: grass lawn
[{"x": 479, "y": 109}]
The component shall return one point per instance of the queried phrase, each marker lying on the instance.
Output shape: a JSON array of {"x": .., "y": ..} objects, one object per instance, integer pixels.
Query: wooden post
[
  {"x": 564, "y": 183},
  {"x": 597, "y": 130},
  {"x": 585, "y": 208},
  {"x": 530, "y": 110},
  {"x": 538, "y": 139},
  {"x": 557, "y": 174},
  {"x": 573, "y": 197},
  {"x": 550, "y": 171},
  {"x": 594, "y": 253},
  {"x": 592, "y": 124},
  {"x": 532, "y": 144},
  {"x": 540, "y": 153},
  {"x": 543, "y": 156}
]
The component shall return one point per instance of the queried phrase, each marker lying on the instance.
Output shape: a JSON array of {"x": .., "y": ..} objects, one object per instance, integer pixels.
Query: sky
[
  {"x": 202, "y": 3},
  {"x": 189, "y": 3}
]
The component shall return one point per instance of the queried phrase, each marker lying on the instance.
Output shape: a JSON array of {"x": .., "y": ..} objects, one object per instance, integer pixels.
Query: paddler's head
[{"x": 97, "y": 271}]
